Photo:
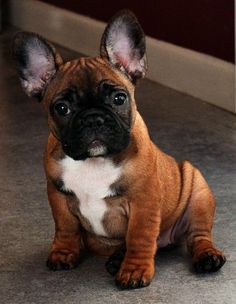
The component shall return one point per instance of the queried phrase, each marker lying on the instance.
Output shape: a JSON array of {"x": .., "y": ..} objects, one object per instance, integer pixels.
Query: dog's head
[{"x": 90, "y": 101}]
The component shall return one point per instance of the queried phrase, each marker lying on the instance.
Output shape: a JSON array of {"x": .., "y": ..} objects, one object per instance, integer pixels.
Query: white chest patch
[{"x": 90, "y": 180}]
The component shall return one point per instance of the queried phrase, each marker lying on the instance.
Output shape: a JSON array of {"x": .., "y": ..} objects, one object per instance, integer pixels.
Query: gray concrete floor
[{"x": 181, "y": 125}]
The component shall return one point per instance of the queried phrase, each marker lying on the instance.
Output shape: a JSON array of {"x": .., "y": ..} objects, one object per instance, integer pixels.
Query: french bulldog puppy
[{"x": 111, "y": 190}]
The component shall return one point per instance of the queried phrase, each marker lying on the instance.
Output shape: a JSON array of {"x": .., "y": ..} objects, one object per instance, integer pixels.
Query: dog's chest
[{"x": 90, "y": 181}]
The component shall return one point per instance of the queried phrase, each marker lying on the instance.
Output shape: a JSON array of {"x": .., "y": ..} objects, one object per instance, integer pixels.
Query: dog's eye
[
  {"x": 119, "y": 99},
  {"x": 62, "y": 109}
]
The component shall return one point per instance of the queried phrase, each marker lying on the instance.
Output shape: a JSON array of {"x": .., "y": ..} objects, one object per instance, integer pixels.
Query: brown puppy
[{"x": 110, "y": 188}]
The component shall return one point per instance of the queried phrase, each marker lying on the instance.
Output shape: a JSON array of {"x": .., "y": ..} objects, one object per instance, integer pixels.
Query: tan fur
[
  {"x": 156, "y": 191},
  {"x": 131, "y": 199}
]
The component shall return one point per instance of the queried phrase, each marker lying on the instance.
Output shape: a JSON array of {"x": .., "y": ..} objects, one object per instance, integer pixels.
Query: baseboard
[{"x": 197, "y": 74}]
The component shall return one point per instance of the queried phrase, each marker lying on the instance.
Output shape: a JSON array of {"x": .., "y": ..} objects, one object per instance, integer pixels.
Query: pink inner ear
[
  {"x": 121, "y": 51},
  {"x": 39, "y": 64},
  {"x": 122, "y": 59},
  {"x": 41, "y": 69},
  {"x": 130, "y": 63},
  {"x": 120, "y": 47}
]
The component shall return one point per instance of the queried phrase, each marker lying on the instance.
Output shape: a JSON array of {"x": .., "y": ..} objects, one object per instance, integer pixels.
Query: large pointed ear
[
  {"x": 36, "y": 62},
  {"x": 123, "y": 44}
]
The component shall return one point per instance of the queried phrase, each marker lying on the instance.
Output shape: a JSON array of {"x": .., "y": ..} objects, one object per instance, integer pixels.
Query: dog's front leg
[
  {"x": 137, "y": 268},
  {"x": 66, "y": 246}
]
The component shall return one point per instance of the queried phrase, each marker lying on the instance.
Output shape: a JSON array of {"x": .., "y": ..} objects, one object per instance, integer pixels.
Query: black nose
[{"x": 93, "y": 121}]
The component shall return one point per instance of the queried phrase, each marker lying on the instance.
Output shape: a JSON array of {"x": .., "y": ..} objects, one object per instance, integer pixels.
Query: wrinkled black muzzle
[{"x": 95, "y": 132}]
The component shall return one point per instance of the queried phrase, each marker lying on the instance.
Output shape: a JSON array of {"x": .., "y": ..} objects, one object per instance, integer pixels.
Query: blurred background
[{"x": 205, "y": 26}]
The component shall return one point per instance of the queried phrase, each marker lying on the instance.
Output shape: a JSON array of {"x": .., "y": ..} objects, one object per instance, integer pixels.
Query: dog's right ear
[
  {"x": 36, "y": 62},
  {"x": 123, "y": 44}
]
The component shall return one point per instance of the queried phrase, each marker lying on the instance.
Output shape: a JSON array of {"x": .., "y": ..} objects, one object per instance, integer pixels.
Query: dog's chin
[{"x": 97, "y": 148}]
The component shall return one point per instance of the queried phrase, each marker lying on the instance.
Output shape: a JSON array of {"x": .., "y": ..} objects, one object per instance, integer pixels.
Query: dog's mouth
[
  {"x": 97, "y": 148},
  {"x": 98, "y": 136}
]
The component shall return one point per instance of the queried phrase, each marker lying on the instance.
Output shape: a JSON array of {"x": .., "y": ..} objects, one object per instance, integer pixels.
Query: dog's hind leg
[
  {"x": 114, "y": 261},
  {"x": 201, "y": 208}
]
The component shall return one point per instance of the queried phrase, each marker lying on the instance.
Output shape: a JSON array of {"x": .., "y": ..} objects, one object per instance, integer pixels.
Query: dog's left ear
[
  {"x": 123, "y": 44},
  {"x": 36, "y": 61}
]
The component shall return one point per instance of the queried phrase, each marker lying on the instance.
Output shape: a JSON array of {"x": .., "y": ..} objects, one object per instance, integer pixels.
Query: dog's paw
[
  {"x": 132, "y": 276},
  {"x": 114, "y": 261},
  {"x": 209, "y": 262},
  {"x": 62, "y": 259}
]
